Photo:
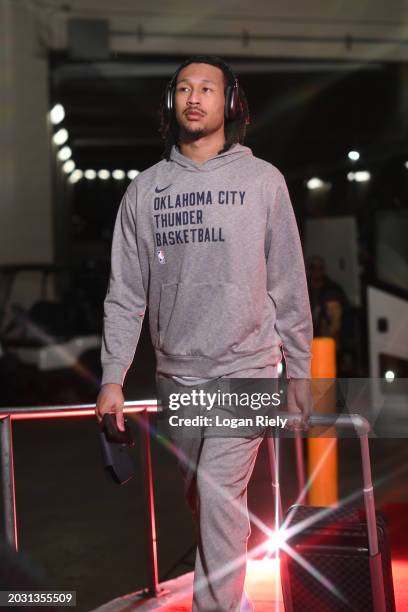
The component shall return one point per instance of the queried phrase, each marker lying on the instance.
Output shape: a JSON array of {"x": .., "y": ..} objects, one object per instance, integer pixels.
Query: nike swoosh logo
[{"x": 157, "y": 190}]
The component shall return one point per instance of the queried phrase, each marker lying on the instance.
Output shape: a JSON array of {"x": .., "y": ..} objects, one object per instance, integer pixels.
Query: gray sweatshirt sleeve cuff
[
  {"x": 113, "y": 373},
  {"x": 298, "y": 368}
]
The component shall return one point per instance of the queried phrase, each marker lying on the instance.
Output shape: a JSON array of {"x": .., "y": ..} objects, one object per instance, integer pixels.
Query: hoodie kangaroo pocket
[{"x": 205, "y": 319}]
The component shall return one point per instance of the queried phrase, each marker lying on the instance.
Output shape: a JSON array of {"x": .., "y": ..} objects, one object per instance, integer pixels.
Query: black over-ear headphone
[{"x": 232, "y": 106}]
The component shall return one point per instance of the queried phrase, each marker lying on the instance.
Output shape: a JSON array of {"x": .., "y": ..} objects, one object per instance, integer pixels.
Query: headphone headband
[{"x": 200, "y": 59}]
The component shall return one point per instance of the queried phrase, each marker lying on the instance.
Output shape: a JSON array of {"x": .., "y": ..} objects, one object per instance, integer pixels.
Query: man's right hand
[
  {"x": 110, "y": 400},
  {"x": 300, "y": 401}
]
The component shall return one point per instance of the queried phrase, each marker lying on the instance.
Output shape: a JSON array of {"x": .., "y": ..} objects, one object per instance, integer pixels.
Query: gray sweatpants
[{"x": 216, "y": 472}]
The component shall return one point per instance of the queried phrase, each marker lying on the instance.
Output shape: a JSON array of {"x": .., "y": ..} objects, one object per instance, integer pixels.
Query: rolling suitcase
[{"x": 336, "y": 559}]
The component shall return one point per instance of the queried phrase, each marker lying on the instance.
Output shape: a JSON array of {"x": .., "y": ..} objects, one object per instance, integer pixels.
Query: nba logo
[{"x": 161, "y": 257}]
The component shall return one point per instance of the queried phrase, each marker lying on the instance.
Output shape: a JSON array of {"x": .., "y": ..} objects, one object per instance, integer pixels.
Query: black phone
[
  {"x": 114, "y": 444},
  {"x": 113, "y": 434}
]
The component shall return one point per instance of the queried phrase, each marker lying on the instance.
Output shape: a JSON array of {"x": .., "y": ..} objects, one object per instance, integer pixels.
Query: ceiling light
[
  {"x": 64, "y": 153},
  {"x": 69, "y": 166},
  {"x": 90, "y": 174},
  {"x": 57, "y": 114},
  {"x": 361, "y": 176},
  {"x": 133, "y": 173},
  {"x": 118, "y": 174},
  {"x": 75, "y": 176},
  {"x": 354, "y": 155},
  {"x": 104, "y": 174},
  {"x": 60, "y": 137},
  {"x": 389, "y": 376},
  {"x": 314, "y": 183}
]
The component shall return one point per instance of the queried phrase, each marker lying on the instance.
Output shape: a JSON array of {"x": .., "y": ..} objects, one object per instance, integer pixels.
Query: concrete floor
[
  {"x": 262, "y": 584},
  {"x": 88, "y": 532}
]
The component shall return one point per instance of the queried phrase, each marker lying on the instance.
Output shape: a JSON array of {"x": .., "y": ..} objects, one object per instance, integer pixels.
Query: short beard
[{"x": 188, "y": 135}]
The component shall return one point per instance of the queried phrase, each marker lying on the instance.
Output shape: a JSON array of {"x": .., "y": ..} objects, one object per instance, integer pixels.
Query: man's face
[{"x": 199, "y": 100}]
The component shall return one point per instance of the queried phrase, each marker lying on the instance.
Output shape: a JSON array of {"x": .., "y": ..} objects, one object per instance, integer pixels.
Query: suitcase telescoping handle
[{"x": 362, "y": 427}]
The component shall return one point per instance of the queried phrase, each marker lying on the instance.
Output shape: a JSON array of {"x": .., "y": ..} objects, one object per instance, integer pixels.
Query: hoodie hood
[{"x": 236, "y": 151}]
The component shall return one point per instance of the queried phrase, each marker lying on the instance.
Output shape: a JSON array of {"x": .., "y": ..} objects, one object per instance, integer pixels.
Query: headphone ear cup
[
  {"x": 234, "y": 105},
  {"x": 168, "y": 99},
  {"x": 231, "y": 102},
  {"x": 227, "y": 104}
]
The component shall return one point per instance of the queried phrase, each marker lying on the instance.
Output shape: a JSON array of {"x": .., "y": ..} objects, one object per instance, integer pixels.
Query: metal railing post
[
  {"x": 148, "y": 492},
  {"x": 300, "y": 467},
  {"x": 140, "y": 407},
  {"x": 7, "y": 477}
]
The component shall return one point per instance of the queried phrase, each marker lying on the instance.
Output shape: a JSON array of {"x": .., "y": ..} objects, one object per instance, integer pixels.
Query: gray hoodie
[{"x": 213, "y": 250}]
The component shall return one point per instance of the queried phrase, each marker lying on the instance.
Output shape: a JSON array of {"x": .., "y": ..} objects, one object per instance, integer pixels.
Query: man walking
[{"x": 207, "y": 239}]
